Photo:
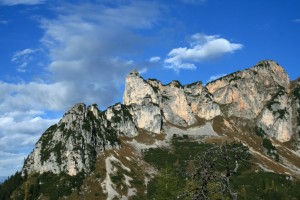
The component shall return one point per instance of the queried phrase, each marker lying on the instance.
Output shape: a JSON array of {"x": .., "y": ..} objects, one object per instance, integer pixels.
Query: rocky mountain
[{"x": 256, "y": 106}]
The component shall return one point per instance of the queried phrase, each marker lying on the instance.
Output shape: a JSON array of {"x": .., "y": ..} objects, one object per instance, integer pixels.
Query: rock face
[
  {"x": 147, "y": 116},
  {"x": 276, "y": 118},
  {"x": 170, "y": 98},
  {"x": 137, "y": 89},
  {"x": 295, "y": 96},
  {"x": 262, "y": 96},
  {"x": 244, "y": 94},
  {"x": 71, "y": 145},
  {"x": 121, "y": 120}
]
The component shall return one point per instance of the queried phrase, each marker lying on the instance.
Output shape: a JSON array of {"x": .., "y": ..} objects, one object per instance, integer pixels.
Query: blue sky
[{"x": 54, "y": 54}]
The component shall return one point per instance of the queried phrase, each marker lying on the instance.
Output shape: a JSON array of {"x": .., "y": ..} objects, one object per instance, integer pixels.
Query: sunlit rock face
[
  {"x": 245, "y": 93},
  {"x": 175, "y": 106},
  {"x": 147, "y": 116},
  {"x": 262, "y": 96},
  {"x": 170, "y": 98},
  {"x": 136, "y": 89}
]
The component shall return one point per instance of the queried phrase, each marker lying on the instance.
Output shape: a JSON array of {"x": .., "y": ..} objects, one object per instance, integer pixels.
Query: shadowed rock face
[
  {"x": 72, "y": 144},
  {"x": 260, "y": 95},
  {"x": 295, "y": 97},
  {"x": 276, "y": 118}
]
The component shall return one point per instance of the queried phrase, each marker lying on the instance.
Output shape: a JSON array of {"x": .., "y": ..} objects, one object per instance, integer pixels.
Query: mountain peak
[
  {"x": 267, "y": 63},
  {"x": 78, "y": 108},
  {"x": 254, "y": 100},
  {"x": 272, "y": 66},
  {"x": 134, "y": 72}
]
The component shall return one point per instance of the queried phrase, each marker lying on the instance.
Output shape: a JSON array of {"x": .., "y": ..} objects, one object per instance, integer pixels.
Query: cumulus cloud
[
  {"x": 19, "y": 131},
  {"x": 19, "y": 2},
  {"x": 202, "y": 47},
  {"x": 23, "y": 118},
  {"x": 26, "y": 131}
]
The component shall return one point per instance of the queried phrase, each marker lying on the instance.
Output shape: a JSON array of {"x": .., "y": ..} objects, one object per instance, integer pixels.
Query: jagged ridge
[
  {"x": 260, "y": 99},
  {"x": 259, "y": 93}
]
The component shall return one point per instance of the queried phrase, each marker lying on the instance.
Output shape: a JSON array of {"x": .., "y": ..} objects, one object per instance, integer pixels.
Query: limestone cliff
[
  {"x": 295, "y": 98},
  {"x": 245, "y": 93},
  {"x": 71, "y": 145},
  {"x": 276, "y": 118},
  {"x": 260, "y": 97},
  {"x": 170, "y": 98},
  {"x": 121, "y": 120}
]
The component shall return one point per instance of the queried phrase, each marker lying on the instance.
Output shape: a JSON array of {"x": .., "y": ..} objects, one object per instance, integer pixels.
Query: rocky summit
[{"x": 258, "y": 107}]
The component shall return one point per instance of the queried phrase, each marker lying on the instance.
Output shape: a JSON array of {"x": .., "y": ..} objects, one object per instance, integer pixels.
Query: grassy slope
[{"x": 250, "y": 182}]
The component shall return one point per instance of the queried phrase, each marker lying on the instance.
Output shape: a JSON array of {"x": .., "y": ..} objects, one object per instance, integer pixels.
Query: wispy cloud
[
  {"x": 10, "y": 162},
  {"x": 193, "y": 2},
  {"x": 296, "y": 20},
  {"x": 21, "y": 2},
  {"x": 154, "y": 59},
  {"x": 93, "y": 42},
  {"x": 3, "y": 22},
  {"x": 202, "y": 47},
  {"x": 23, "y": 58},
  {"x": 89, "y": 45},
  {"x": 143, "y": 70},
  {"x": 215, "y": 77}
]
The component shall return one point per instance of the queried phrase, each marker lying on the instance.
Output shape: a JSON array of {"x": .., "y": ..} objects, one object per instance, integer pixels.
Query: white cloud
[
  {"x": 19, "y": 131},
  {"x": 11, "y": 162},
  {"x": 89, "y": 46},
  {"x": 23, "y": 58},
  {"x": 143, "y": 71},
  {"x": 25, "y": 132},
  {"x": 23, "y": 118},
  {"x": 215, "y": 77},
  {"x": 23, "y": 2},
  {"x": 35, "y": 96},
  {"x": 154, "y": 59},
  {"x": 202, "y": 47},
  {"x": 24, "y": 52}
]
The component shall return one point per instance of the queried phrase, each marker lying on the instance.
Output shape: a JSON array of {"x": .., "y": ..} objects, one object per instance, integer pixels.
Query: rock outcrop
[
  {"x": 121, "y": 120},
  {"x": 245, "y": 93},
  {"x": 295, "y": 96},
  {"x": 170, "y": 98},
  {"x": 276, "y": 118},
  {"x": 137, "y": 89},
  {"x": 261, "y": 96},
  {"x": 147, "y": 116},
  {"x": 71, "y": 145}
]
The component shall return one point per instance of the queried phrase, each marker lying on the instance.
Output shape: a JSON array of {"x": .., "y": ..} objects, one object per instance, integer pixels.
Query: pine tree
[{"x": 167, "y": 186}]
